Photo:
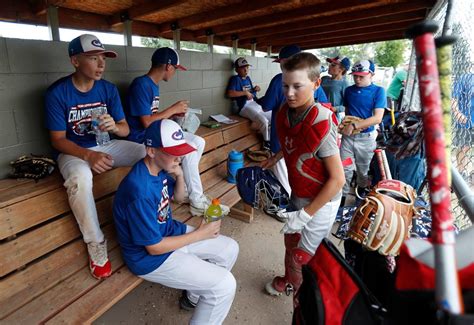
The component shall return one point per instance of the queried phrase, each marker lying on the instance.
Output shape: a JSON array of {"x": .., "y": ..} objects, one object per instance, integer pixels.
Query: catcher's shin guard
[
  {"x": 299, "y": 257},
  {"x": 282, "y": 284}
]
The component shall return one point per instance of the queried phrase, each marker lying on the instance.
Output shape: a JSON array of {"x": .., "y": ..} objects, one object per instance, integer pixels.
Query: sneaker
[
  {"x": 99, "y": 263},
  {"x": 199, "y": 207},
  {"x": 272, "y": 211},
  {"x": 185, "y": 303},
  {"x": 278, "y": 286}
]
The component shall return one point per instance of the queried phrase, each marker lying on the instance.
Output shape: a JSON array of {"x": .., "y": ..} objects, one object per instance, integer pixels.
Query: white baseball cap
[
  {"x": 88, "y": 44},
  {"x": 168, "y": 136}
]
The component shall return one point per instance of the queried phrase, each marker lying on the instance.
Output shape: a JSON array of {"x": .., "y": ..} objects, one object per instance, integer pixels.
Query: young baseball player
[
  {"x": 69, "y": 104},
  {"x": 241, "y": 89},
  {"x": 274, "y": 98},
  {"x": 159, "y": 249},
  {"x": 307, "y": 132},
  {"x": 142, "y": 109},
  {"x": 366, "y": 101},
  {"x": 335, "y": 84}
]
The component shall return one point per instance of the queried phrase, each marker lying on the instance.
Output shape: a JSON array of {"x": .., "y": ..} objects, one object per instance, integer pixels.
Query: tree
[
  {"x": 156, "y": 42},
  {"x": 390, "y": 53}
]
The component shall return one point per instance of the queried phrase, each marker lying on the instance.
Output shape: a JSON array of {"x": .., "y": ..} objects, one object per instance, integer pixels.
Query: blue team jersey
[
  {"x": 361, "y": 101},
  {"x": 68, "y": 109},
  {"x": 142, "y": 215},
  {"x": 272, "y": 101},
  {"x": 143, "y": 99},
  {"x": 463, "y": 91},
  {"x": 238, "y": 84}
]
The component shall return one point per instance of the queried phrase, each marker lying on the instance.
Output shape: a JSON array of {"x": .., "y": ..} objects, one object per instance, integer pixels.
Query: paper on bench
[{"x": 223, "y": 119}]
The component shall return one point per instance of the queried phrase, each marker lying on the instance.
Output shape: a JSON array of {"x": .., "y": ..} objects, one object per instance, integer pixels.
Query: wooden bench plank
[
  {"x": 213, "y": 141},
  {"x": 239, "y": 131},
  {"x": 28, "y": 213},
  {"x": 98, "y": 300},
  {"x": 60, "y": 296},
  {"x": 26, "y": 248},
  {"x": 23, "y": 286}
]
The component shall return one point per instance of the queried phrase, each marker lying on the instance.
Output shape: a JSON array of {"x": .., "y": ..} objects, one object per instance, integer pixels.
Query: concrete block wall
[{"x": 28, "y": 67}]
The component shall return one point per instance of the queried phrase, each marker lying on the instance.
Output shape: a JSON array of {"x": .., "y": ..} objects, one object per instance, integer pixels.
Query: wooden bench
[{"x": 44, "y": 276}]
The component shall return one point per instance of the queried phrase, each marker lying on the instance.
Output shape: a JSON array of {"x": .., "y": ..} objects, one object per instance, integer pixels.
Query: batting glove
[{"x": 295, "y": 221}]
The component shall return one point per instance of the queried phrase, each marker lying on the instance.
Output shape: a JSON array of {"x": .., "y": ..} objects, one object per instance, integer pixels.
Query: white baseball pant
[
  {"x": 255, "y": 113},
  {"x": 192, "y": 178}
]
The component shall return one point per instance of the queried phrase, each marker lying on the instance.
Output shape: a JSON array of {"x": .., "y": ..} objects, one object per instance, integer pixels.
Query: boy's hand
[
  {"x": 347, "y": 129},
  {"x": 99, "y": 162},
  {"x": 107, "y": 123},
  {"x": 256, "y": 89},
  {"x": 176, "y": 171},
  {"x": 249, "y": 95},
  {"x": 180, "y": 107},
  {"x": 295, "y": 221},
  {"x": 209, "y": 230}
]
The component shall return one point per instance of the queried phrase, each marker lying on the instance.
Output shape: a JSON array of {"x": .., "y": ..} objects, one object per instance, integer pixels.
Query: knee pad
[{"x": 291, "y": 240}]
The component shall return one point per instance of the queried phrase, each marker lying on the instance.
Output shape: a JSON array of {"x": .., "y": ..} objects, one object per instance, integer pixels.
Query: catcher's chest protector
[
  {"x": 306, "y": 173},
  {"x": 331, "y": 293},
  {"x": 384, "y": 219}
]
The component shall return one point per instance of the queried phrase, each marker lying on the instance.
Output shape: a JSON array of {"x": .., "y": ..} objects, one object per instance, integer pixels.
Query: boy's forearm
[
  {"x": 179, "y": 192},
  {"x": 122, "y": 129},
  {"x": 373, "y": 120},
  {"x": 328, "y": 191},
  {"x": 172, "y": 243}
]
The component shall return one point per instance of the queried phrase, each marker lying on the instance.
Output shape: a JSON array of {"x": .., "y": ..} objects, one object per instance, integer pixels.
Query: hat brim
[
  {"x": 361, "y": 73},
  {"x": 277, "y": 60},
  {"x": 329, "y": 60},
  {"x": 108, "y": 54},
  {"x": 180, "y": 67},
  {"x": 179, "y": 150}
]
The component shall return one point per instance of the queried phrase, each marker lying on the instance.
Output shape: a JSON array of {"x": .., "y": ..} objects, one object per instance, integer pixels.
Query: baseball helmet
[{"x": 261, "y": 189}]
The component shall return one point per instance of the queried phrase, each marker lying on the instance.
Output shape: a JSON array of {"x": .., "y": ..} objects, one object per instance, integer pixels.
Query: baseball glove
[
  {"x": 258, "y": 155},
  {"x": 384, "y": 219},
  {"x": 33, "y": 167},
  {"x": 348, "y": 119}
]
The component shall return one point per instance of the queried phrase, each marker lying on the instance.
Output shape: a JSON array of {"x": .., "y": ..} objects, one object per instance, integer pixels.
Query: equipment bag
[{"x": 331, "y": 293}]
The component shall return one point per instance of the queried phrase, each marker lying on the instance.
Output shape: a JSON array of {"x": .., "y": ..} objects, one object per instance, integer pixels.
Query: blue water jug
[{"x": 235, "y": 161}]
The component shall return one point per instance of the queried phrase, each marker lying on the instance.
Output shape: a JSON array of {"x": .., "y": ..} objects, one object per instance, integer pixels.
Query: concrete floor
[{"x": 260, "y": 259}]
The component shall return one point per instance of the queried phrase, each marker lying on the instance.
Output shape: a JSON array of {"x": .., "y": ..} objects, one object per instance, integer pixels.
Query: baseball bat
[{"x": 448, "y": 296}]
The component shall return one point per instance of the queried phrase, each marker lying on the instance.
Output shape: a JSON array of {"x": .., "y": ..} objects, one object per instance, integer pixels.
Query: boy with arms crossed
[
  {"x": 69, "y": 105},
  {"x": 307, "y": 132},
  {"x": 162, "y": 250}
]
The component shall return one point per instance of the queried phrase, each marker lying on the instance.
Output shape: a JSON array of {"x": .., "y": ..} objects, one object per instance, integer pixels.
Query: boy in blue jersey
[
  {"x": 367, "y": 102},
  {"x": 272, "y": 101},
  {"x": 241, "y": 89},
  {"x": 69, "y": 104},
  {"x": 335, "y": 84},
  {"x": 142, "y": 109},
  {"x": 162, "y": 250}
]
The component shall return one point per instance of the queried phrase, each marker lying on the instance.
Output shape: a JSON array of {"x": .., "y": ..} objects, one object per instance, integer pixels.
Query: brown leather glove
[
  {"x": 348, "y": 119},
  {"x": 384, "y": 219}
]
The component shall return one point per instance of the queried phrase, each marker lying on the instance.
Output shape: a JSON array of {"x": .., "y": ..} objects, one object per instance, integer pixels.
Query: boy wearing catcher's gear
[
  {"x": 69, "y": 105},
  {"x": 142, "y": 109},
  {"x": 307, "y": 132},
  {"x": 159, "y": 249},
  {"x": 274, "y": 98},
  {"x": 367, "y": 102}
]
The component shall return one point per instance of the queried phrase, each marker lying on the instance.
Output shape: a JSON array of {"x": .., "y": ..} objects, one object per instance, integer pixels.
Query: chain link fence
[{"x": 462, "y": 104}]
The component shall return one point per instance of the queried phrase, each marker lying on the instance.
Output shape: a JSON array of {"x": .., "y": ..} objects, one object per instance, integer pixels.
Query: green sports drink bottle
[{"x": 214, "y": 211}]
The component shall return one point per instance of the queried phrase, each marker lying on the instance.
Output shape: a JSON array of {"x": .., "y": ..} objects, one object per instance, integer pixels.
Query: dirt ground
[{"x": 260, "y": 259}]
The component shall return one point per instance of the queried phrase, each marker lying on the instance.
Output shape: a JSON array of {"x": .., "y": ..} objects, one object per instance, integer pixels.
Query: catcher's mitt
[
  {"x": 258, "y": 155},
  {"x": 348, "y": 119},
  {"x": 384, "y": 219},
  {"x": 33, "y": 167}
]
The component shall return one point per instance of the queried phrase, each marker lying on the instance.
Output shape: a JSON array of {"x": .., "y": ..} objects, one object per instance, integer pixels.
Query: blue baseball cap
[
  {"x": 168, "y": 136},
  {"x": 363, "y": 68},
  {"x": 167, "y": 55},
  {"x": 345, "y": 62},
  {"x": 287, "y": 51},
  {"x": 88, "y": 44}
]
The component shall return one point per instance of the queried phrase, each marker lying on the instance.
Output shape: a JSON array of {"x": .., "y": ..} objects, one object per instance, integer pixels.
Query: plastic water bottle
[
  {"x": 101, "y": 137},
  {"x": 235, "y": 161},
  {"x": 214, "y": 211}
]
